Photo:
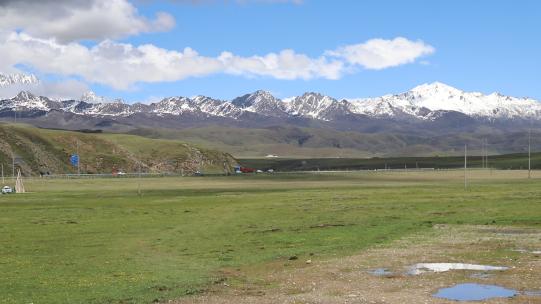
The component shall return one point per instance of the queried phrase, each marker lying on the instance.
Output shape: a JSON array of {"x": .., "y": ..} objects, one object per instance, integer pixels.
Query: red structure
[{"x": 247, "y": 170}]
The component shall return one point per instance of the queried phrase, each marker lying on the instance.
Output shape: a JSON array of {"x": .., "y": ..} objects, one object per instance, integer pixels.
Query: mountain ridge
[{"x": 426, "y": 102}]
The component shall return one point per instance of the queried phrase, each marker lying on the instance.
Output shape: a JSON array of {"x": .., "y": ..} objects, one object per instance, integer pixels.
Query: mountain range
[
  {"x": 427, "y": 102},
  {"x": 411, "y": 118}
]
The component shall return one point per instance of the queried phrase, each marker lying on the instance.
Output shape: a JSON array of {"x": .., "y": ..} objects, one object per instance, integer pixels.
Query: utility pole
[
  {"x": 529, "y": 153},
  {"x": 3, "y": 180},
  {"x": 465, "y": 166},
  {"x": 13, "y": 164}
]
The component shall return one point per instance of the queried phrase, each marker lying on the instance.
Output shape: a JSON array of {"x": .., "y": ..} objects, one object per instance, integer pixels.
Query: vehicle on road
[{"x": 7, "y": 190}]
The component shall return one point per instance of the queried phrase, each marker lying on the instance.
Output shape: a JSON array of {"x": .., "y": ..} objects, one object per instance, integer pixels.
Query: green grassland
[
  {"x": 97, "y": 241},
  {"x": 505, "y": 161},
  {"x": 43, "y": 150}
]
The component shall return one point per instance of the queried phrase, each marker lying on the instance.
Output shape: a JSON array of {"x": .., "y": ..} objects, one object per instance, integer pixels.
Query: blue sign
[{"x": 74, "y": 160}]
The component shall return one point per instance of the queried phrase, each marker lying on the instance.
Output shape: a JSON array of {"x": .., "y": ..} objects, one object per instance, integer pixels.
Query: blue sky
[{"x": 482, "y": 46}]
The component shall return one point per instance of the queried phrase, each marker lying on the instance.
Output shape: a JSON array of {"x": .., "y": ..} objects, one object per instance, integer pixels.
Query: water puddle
[
  {"x": 474, "y": 292},
  {"x": 382, "y": 272},
  {"x": 443, "y": 267},
  {"x": 479, "y": 292}
]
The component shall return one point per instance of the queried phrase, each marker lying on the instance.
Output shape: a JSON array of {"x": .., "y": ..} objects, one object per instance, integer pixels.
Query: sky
[{"x": 142, "y": 50}]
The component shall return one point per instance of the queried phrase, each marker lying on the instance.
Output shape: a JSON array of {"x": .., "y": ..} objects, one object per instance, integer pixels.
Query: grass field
[
  {"x": 97, "y": 241},
  {"x": 504, "y": 161}
]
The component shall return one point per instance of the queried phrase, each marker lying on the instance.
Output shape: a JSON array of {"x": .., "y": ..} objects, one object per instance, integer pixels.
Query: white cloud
[
  {"x": 121, "y": 65},
  {"x": 377, "y": 54},
  {"x": 110, "y": 63},
  {"x": 285, "y": 65},
  {"x": 79, "y": 19}
]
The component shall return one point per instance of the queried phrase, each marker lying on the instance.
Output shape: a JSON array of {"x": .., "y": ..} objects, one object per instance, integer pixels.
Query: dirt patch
[{"x": 349, "y": 279}]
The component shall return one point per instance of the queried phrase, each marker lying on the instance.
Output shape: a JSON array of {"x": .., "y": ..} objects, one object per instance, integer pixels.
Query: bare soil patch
[{"x": 350, "y": 279}]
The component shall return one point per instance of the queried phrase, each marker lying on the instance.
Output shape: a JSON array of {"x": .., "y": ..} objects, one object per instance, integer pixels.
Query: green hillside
[
  {"x": 299, "y": 142},
  {"x": 45, "y": 151}
]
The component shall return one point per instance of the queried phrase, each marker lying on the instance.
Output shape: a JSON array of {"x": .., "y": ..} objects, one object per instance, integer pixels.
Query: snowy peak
[
  {"x": 173, "y": 105},
  {"x": 313, "y": 105},
  {"x": 91, "y": 97},
  {"x": 27, "y": 101},
  {"x": 425, "y": 102},
  {"x": 261, "y": 102},
  {"x": 435, "y": 88},
  {"x": 24, "y": 96},
  {"x": 420, "y": 101},
  {"x": 17, "y": 78},
  {"x": 249, "y": 100}
]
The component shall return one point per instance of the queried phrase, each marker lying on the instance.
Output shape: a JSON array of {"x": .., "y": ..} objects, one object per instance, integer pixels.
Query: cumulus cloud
[
  {"x": 72, "y": 20},
  {"x": 121, "y": 65},
  {"x": 377, "y": 54},
  {"x": 284, "y": 65}
]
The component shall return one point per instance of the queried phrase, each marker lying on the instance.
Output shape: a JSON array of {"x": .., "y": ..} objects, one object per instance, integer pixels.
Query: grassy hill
[
  {"x": 300, "y": 142},
  {"x": 42, "y": 150}
]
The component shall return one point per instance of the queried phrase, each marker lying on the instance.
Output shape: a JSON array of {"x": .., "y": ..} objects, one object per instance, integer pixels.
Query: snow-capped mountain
[
  {"x": 317, "y": 106},
  {"x": 17, "y": 78},
  {"x": 91, "y": 97},
  {"x": 422, "y": 101},
  {"x": 427, "y": 102},
  {"x": 261, "y": 102},
  {"x": 25, "y": 101}
]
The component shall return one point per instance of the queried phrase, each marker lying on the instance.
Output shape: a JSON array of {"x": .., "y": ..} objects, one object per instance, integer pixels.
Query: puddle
[
  {"x": 443, "y": 267},
  {"x": 382, "y": 272},
  {"x": 474, "y": 292}
]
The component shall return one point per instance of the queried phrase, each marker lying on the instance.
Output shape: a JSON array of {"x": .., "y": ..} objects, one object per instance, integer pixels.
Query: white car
[{"x": 6, "y": 190}]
